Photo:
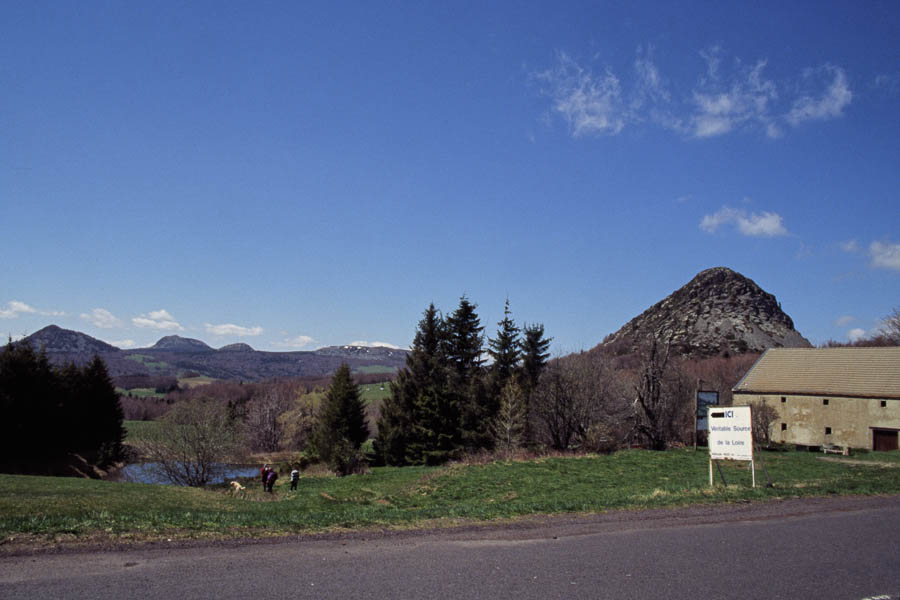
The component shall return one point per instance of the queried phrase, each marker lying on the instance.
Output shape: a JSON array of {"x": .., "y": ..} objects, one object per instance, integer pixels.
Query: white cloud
[
  {"x": 856, "y": 334},
  {"x": 885, "y": 255},
  {"x": 232, "y": 329},
  {"x": 829, "y": 104},
  {"x": 844, "y": 320},
  {"x": 590, "y": 104},
  {"x": 721, "y": 107},
  {"x": 850, "y": 246},
  {"x": 728, "y": 96},
  {"x": 765, "y": 224},
  {"x": 299, "y": 341},
  {"x": 157, "y": 319},
  {"x": 14, "y": 308},
  {"x": 102, "y": 318}
]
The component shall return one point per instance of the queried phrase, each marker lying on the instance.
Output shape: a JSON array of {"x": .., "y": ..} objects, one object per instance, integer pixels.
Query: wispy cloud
[
  {"x": 885, "y": 255},
  {"x": 721, "y": 104},
  {"x": 728, "y": 96},
  {"x": 299, "y": 341},
  {"x": 102, "y": 318},
  {"x": 850, "y": 246},
  {"x": 14, "y": 308},
  {"x": 765, "y": 224},
  {"x": 233, "y": 330},
  {"x": 829, "y": 104},
  {"x": 591, "y": 103},
  {"x": 844, "y": 320},
  {"x": 157, "y": 319}
]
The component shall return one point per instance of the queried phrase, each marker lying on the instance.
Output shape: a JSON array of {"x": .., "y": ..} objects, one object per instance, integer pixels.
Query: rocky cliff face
[{"x": 718, "y": 312}]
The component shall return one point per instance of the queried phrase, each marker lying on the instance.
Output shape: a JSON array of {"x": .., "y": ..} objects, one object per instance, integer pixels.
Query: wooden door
[{"x": 884, "y": 440}]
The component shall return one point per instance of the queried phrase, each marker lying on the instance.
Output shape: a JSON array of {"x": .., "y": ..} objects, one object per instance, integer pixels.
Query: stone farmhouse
[{"x": 828, "y": 397}]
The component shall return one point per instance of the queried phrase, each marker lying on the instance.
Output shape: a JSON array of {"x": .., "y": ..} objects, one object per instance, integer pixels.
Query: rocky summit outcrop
[{"x": 719, "y": 312}]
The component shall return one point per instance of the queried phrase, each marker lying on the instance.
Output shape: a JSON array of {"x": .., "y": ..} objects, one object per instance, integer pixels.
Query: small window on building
[
  {"x": 828, "y": 431},
  {"x": 884, "y": 404},
  {"x": 783, "y": 399},
  {"x": 784, "y": 426},
  {"x": 825, "y": 401}
]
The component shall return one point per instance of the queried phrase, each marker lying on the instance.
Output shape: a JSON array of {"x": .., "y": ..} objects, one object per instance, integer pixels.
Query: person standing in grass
[
  {"x": 264, "y": 475},
  {"x": 295, "y": 477},
  {"x": 270, "y": 479}
]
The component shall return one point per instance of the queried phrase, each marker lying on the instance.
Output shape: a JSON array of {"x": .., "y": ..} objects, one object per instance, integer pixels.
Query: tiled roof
[{"x": 859, "y": 372}]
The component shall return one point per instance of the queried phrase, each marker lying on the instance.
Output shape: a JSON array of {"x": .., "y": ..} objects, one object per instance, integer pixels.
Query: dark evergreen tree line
[
  {"x": 51, "y": 414},
  {"x": 446, "y": 400}
]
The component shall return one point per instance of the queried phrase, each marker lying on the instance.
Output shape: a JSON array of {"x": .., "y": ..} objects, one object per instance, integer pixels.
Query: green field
[
  {"x": 374, "y": 392},
  {"x": 44, "y": 508},
  {"x": 139, "y": 430}
]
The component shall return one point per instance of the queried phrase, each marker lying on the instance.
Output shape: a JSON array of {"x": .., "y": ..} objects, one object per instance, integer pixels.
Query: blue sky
[{"x": 296, "y": 175}]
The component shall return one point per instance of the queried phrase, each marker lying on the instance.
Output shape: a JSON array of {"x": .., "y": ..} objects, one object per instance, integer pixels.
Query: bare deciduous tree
[
  {"x": 193, "y": 442},
  {"x": 762, "y": 417},
  {"x": 572, "y": 397},
  {"x": 264, "y": 411},
  {"x": 662, "y": 399}
]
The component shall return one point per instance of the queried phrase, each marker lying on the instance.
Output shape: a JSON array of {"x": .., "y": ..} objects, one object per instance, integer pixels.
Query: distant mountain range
[
  {"x": 177, "y": 356},
  {"x": 719, "y": 312}
]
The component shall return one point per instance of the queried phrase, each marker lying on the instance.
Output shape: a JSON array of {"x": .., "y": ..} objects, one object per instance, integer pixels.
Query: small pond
[{"x": 147, "y": 473}]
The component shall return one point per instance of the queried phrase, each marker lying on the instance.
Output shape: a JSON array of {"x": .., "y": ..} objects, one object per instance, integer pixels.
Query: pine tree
[
  {"x": 341, "y": 427},
  {"x": 103, "y": 412},
  {"x": 535, "y": 352},
  {"x": 419, "y": 423},
  {"x": 505, "y": 351},
  {"x": 464, "y": 345},
  {"x": 464, "y": 340}
]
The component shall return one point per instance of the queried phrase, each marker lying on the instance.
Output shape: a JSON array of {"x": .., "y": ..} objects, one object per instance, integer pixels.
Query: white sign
[{"x": 730, "y": 433}]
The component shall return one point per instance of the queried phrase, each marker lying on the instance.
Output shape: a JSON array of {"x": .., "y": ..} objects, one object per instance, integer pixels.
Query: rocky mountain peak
[
  {"x": 176, "y": 343},
  {"x": 239, "y": 347},
  {"x": 55, "y": 339},
  {"x": 718, "y": 312}
]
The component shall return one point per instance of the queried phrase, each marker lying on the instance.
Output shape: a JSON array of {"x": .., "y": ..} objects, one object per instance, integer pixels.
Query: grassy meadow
[{"x": 48, "y": 509}]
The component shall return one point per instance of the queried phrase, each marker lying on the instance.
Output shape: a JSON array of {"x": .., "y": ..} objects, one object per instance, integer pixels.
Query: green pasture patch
[
  {"x": 148, "y": 361},
  {"x": 191, "y": 382},
  {"x": 139, "y": 430},
  {"x": 374, "y": 392},
  {"x": 419, "y": 496},
  {"x": 375, "y": 369}
]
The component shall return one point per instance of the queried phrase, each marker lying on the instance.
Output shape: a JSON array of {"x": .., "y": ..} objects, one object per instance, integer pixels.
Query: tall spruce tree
[
  {"x": 535, "y": 352},
  {"x": 419, "y": 422},
  {"x": 505, "y": 352},
  {"x": 464, "y": 343},
  {"x": 341, "y": 428}
]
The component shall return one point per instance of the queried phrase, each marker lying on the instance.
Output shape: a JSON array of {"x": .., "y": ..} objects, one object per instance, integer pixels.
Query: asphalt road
[{"x": 842, "y": 548}]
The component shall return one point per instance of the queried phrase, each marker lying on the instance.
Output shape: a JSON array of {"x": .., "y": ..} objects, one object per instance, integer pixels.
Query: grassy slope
[{"x": 48, "y": 506}]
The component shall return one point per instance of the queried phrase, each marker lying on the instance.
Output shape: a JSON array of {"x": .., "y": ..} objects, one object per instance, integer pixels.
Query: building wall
[{"x": 806, "y": 417}]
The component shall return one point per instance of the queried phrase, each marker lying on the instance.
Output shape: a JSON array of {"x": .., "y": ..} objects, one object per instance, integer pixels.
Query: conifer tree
[
  {"x": 341, "y": 427},
  {"x": 419, "y": 422},
  {"x": 505, "y": 351},
  {"x": 464, "y": 345},
  {"x": 535, "y": 352}
]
